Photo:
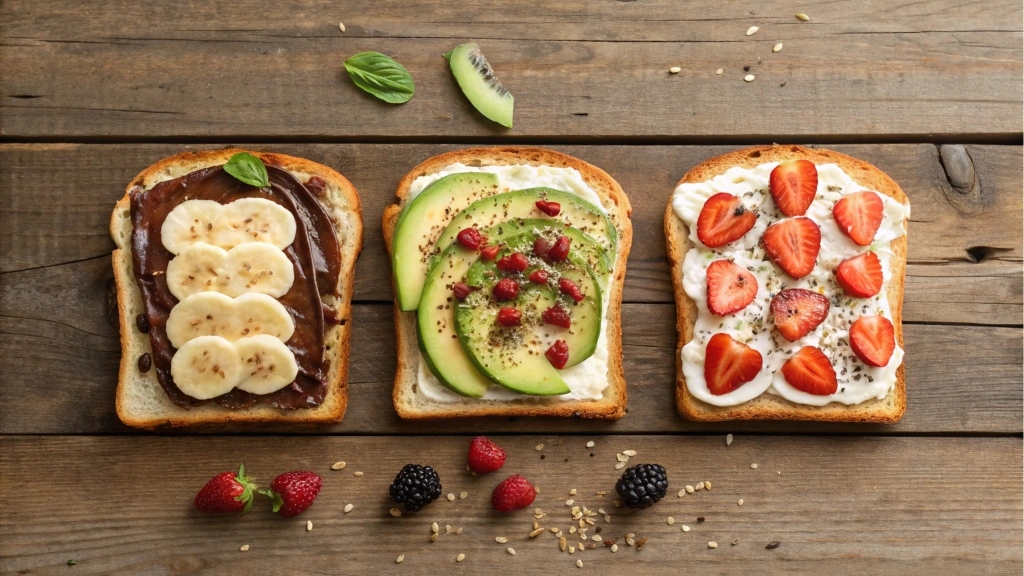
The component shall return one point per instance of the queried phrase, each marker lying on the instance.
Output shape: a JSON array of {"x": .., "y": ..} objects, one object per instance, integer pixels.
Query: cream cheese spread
[{"x": 752, "y": 326}]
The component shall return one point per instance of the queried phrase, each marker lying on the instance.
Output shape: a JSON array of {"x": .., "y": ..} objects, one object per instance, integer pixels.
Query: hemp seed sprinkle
[
  {"x": 460, "y": 557},
  {"x": 338, "y": 465},
  {"x": 752, "y": 30},
  {"x": 400, "y": 559},
  {"x": 244, "y": 548},
  {"x": 348, "y": 507}
]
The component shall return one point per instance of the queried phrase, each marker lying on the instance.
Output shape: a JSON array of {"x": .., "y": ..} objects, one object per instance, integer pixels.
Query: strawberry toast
[{"x": 788, "y": 266}]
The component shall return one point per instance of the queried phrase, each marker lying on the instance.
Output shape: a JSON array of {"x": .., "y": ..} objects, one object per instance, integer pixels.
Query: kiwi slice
[{"x": 477, "y": 80}]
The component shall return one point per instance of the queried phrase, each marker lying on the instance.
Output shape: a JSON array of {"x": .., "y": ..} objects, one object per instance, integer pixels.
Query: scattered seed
[
  {"x": 572, "y": 492},
  {"x": 357, "y": 474},
  {"x": 629, "y": 452},
  {"x": 433, "y": 527},
  {"x": 777, "y": 47},
  {"x": 748, "y": 78},
  {"x": 538, "y": 447},
  {"x": 572, "y": 549},
  {"x": 675, "y": 70},
  {"x": 538, "y": 511},
  {"x": 686, "y": 528},
  {"x": 620, "y": 465},
  {"x": 590, "y": 444},
  {"x": 244, "y": 548},
  {"x": 554, "y": 530},
  {"x": 536, "y": 525},
  {"x": 458, "y": 530},
  {"x": 608, "y": 518},
  {"x": 803, "y": 17},
  {"x": 572, "y": 529},
  {"x": 337, "y": 465},
  {"x": 463, "y": 495},
  {"x": 621, "y": 457},
  {"x": 699, "y": 486},
  {"x": 536, "y": 489},
  {"x": 341, "y": 26},
  {"x": 348, "y": 507},
  {"x": 395, "y": 512},
  {"x": 689, "y": 489},
  {"x": 640, "y": 543},
  {"x": 700, "y": 519},
  {"x": 783, "y": 85},
  {"x": 728, "y": 439},
  {"x": 773, "y": 545},
  {"x": 753, "y": 466},
  {"x": 460, "y": 557},
  {"x": 670, "y": 520},
  {"x": 400, "y": 559},
  {"x": 752, "y": 30},
  {"x": 739, "y": 502},
  {"x": 309, "y": 525},
  {"x": 562, "y": 543},
  {"x": 434, "y": 536},
  {"x": 682, "y": 491},
  {"x": 707, "y": 484},
  {"x": 579, "y": 563},
  {"x": 712, "y": 544},
  {"x": 618, "y": 503},
  {"x": 569, "y": 502},
  {"x": 735, "y": 541},
  {"x": 447, "y": 528},
  {"x": 511, "y": 550},
  {"x": 451, "y": 497},
  {"x": 719, "y": 71},
  {"x": 536, "y": 532},
  {"x": 501, "y": 539}
]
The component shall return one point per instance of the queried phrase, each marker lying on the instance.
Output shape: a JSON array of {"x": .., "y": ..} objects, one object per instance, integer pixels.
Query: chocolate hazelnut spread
[{"x": 315, "y": 255}]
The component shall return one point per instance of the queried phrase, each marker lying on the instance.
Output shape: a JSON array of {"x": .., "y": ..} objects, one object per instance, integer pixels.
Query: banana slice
[
  {"x": 214, "y": 314},
  {"x": 206, "y": 367},
  {"x": 190, "y": 222},
  {"x": 254, "y": 220},
  {"x": 267, "y": 365},
  {"x": 253, "y": 267}
]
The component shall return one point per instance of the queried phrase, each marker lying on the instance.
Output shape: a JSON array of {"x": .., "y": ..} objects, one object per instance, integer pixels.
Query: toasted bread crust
[
  {"x": 351, "y": 241},
  {"x": 614, "y": 200},
  {"x": 769, "y": 406}
]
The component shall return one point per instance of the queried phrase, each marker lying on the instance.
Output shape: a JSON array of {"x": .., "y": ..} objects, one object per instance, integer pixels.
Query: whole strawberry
[
  {"x": 226, "y": 492},
  {"x": 485, "y": 456},
  {"x": 514, "y": 493},
  {"x": 293, "y": 492}
]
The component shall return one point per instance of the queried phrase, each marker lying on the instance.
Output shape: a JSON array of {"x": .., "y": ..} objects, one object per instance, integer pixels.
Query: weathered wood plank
[
  {"x": 58, "y": 372},
  {"x": 57, "y": 201},
  {"x": 904, "y": 505},
  {"x": 261, "y": 68}
]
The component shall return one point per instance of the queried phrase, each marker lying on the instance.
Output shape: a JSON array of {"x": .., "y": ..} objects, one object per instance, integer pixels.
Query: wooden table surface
[{"x": 929, "y": 91}]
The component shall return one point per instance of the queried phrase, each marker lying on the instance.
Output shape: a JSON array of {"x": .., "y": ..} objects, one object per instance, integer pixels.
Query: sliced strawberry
[
  {"x": 723, "y": 219},
  {"x": 860, "y": 276},
  {"x": 730, "y": 287},
  {"x": 859, "y": 215},
  {"x": 873, "y": 340},
  {"x": 793, "y": 244},
  {"x": 729, "y": 364},
  {"x": 809, "y": 370},
  {"x": 797, "y": 311},
  {"x": 793, "y": 185}
]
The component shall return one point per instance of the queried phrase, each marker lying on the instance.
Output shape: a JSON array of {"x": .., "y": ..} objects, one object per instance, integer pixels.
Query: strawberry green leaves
[{"x": 381, "y": 76}]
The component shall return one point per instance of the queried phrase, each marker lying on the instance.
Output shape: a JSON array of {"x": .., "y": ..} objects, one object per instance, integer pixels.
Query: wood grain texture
[
  {"x": 58, "y": 374},
  {"x": 579, "y": 70},
  {"x": 836, "y": 505},
  {"x": 56, "y": 201}
]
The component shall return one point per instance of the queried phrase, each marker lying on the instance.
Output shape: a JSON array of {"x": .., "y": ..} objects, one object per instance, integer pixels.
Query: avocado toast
[{"x": 509, "y": 265}]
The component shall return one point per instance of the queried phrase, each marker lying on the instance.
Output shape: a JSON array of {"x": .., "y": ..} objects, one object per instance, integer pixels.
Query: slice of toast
[
  {"x": 412, "y": 405},
  {"x": 770, "y": 406},
  {"x": 141, "y": 402}
]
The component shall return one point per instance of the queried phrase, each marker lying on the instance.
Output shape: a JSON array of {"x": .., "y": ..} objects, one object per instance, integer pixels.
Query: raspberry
[
  {"x": 506, "y": 289},
  {"x": 549, "y": 208},
  {"x": 541, "y": 246},
  {"x": 558, "y": 354},
  {"x": 569, "y": 287},
  {"x": 557, "y": 316},
  {"x": 560, "y": 251},
  {"x": 539, "y": 276},
  {"x": 470, "y": 238},
  {"x": 514, "y": 493},
  {"x": 514, "y": 262},
  {"x": 485, "y": 456},
  {"x": 489, "y": 253},
  {"x": 509, "y": 317},
  {"x": 462, "y": 290}
]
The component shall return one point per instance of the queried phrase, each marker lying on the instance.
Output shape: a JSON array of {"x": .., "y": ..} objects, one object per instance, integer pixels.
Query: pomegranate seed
[
  {"x": 558, "y": 354},
  {"x": 539, "y": 276},
  {"x": 549, "y": 208},
  {"x": 506, "y": 289},
  {"x": 560, "y": 251},
  {"x": 569, "y": 287},
  {"x": 541, "y": 246},
  {"x": 557, "y": 316},
  {"x": 514, "y": 262},
  {"x": 489, "y": 253},
  {"x": 470, "y": 238},
  {"x": 462, "y": 290},
  {"x": 509, "y": 317}
]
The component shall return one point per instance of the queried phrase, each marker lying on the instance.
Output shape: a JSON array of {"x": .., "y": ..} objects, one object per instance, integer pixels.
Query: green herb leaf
[
  {"x": 381, "y": 76},
  {"x": 248, "y": 169}
]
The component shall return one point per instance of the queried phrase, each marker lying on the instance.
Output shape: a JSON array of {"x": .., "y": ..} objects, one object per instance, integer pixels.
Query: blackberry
[
  {"x": 415, "y": 486},
  {"x": 642, "y": 485}
]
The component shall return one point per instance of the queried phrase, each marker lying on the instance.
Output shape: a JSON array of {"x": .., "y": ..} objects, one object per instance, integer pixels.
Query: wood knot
[{"x": 965, "y": 191}]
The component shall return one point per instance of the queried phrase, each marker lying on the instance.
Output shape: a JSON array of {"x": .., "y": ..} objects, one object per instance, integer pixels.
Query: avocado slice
[
  {"x": 582, "y": 245},
  {"x": 493, "y": 211},
  {"x": 514, "y": 356},
  {"x": 414, "y": 245}
]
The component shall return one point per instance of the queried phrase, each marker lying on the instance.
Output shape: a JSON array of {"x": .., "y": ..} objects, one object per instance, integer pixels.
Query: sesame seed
[
  {"x": 511, "y": 550},
  {"x": 463, "y": 495},
  {"x": 728, "y": 439},
  {"x": 803, "y": 17},
  {"x": 400, "y": 559},
  {"x": 501, "y": 539},
  {"x": 562, "y": 543},
  {"x": 689, "y": 489},
  {"x": 569, "y": 502},
  {"x": 244, "y": 548},
  {"x": 707, "y": 484},
  {"x": 357, "y": 474},
  {"x": 348, "y": 507},
  {"x": 620, "y": 465},
  {"x": 608, "y": 518},
  {"x": 434, "y": 536},
  {"x": 451, "y": 497},
  {"x": 572, "y": 529},
  {"x": 459, "y": 530},
  {"x": 341, "y": 26},
  {"x": 572, "y": 549},
  {"x": 712, "y": 544},
  {"x": 395, "y": 512},
  {"x": 735, "y": 541},
  {"x": 615, "y": 547},
  {"x": 433, "y": 527},
  {"x": 674, "y": 70},
  {"x": 447, "y": 528},
  {"x": 777, "y": 47},
  {"x": 590, "y": 444},
  {"x": 629, "y": 452},
  {"x": 309, "y": 525},
  {"x": 699, "y": 486},
  {"x": 538, "y": 447},
  {"x": 621, "y": 457},
  {"x": 536, "y": 532},
  {"x": 538, "y": 511},
  {"x": 536, "y": 525},
  {"x": 572, "y": 492},
  {"x": 719, "y": 71},
  {"x": 739, "y": 502},
  {"x": 682, "y": 491},
  {"x": 337, "y": 465},
  {"x": 670, "y": 520},
  {"x": 460, "y": 557},
  {"x": 686, "y": 528},
  {"x": 579, "y": 563},
  {"x": 752, "y": 30},
  {"x": 748, "y": 78},
  {"x": 753, "y": 466}
]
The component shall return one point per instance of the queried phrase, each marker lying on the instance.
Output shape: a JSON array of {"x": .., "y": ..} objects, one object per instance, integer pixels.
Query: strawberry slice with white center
[
  {"x": 731, "y": 287},
  {"x": 729, "y": 364},
  {"x": 861, "y": 275},
  {"x": 793, "y": 185},
  {"x": 859, "y": 216},
  {"x": 810, "y": 371},
  {"x": 797, "y": 311},
  {"x": 873, "y": 340},
  {"x": 793, "y": 244},
  {"x": 723, "y": 219}
]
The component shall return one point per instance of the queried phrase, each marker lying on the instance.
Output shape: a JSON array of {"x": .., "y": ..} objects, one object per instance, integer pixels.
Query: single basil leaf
[
  {"x": 381, "y": 76},
  {"x": 248, "y": 169}
]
